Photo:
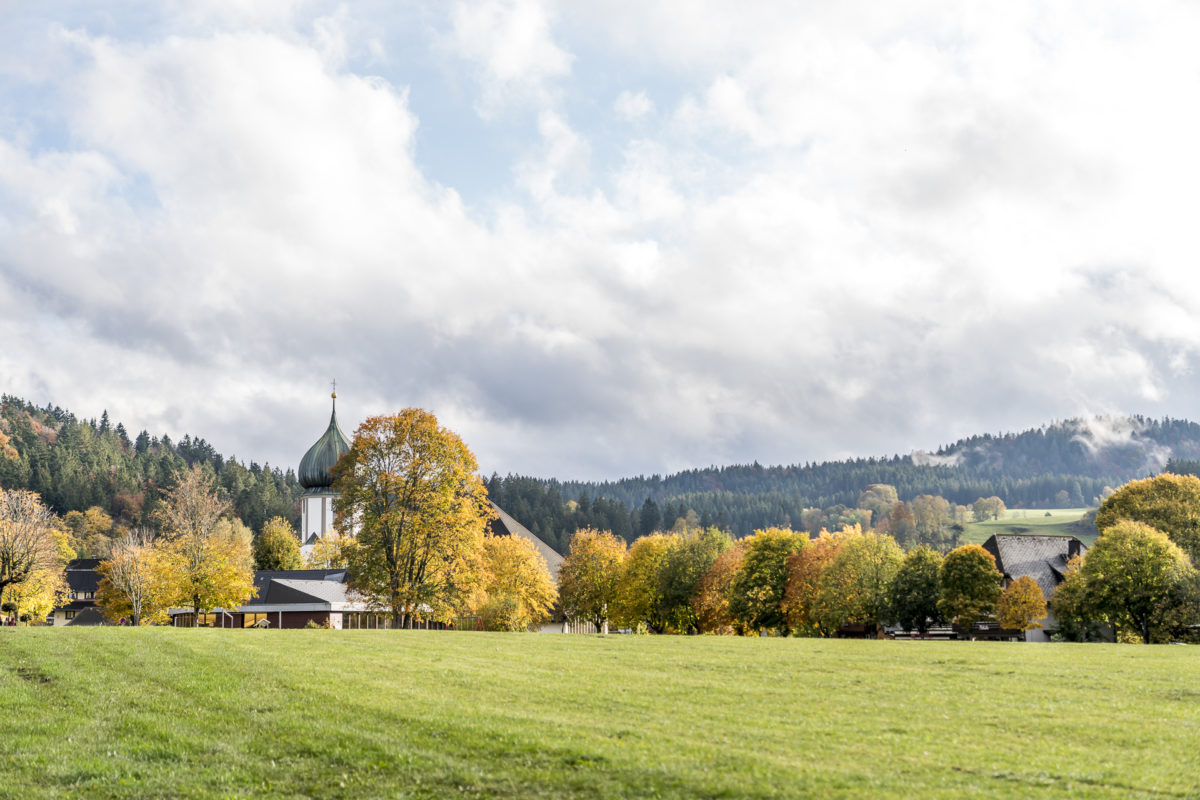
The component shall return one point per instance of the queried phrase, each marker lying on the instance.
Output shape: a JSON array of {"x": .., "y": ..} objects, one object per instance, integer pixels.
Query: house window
[
  {"x": 69, "y": 614},
  {"x": 250, "y": 620}
]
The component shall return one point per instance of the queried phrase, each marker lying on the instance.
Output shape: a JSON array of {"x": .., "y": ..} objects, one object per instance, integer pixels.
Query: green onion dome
[{"x": 319, "y": 460}]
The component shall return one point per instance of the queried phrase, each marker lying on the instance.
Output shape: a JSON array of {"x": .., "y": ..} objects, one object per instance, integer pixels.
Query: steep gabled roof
[
  {"x": 1043, "y": 558},
  {"x": 505, "y": 525},
  {"x": 89, "y": 616},
  {"x": 265, "y": 580},
  {"x": 285, "y": 590}
]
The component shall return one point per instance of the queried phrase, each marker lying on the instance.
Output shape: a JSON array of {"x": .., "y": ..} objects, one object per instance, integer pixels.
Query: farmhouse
[
  {"x": 1043, "y": 558},
  {"x": 82, "y": 583}
]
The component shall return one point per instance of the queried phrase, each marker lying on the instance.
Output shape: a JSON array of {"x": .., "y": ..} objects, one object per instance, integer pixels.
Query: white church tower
[{"x": 316, "y": 504}]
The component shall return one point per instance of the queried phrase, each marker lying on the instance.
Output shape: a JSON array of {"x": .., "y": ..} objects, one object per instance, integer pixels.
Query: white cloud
[
  {"x": 511, "y": 44},
  {"x": 632, "y": 106}
]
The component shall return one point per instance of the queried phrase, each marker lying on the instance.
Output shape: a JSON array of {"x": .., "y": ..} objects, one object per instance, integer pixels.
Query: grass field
[
  {"x": 1051, "y": 522},
  {"x": 112, "y": 712}
]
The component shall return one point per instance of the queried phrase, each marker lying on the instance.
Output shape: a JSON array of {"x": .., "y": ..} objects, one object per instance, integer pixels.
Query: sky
[{"x": 601, "y": 239}]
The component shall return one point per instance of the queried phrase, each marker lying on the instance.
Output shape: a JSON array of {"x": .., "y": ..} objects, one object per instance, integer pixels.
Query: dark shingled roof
[
  {"x": 269, "y": 591},
  {"x": 81, "y": 575},
  {"x": 505, "y": 525},
  {"x": 89, "y": 616},
  {"x": 320, "y": 458},
  {"x": 1043, "y": 558}
]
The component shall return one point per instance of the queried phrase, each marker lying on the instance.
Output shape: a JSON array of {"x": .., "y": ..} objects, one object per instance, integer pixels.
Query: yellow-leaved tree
[
  {"x": 589, "y": 574},
  {"x": 33, "y": 551},
  {"x": 410, "y": 489},
  {"x": 132, "y": 583},
  {"x": 1021, "y": 605},
  {"x": 640, "y": 589},
  {"x": 855, "y": 584},
  {"x": 278, "y": 546},
  {"x": 205, "y": 560},
  {"x": 518, "y": 591}
]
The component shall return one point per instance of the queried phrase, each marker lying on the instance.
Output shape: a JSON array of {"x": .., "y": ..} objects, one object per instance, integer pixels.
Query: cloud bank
[{"x": 601, "y": 240}]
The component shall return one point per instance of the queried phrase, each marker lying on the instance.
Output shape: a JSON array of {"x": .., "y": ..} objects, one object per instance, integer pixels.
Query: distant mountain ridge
[
  {"x": 1070, "y": 463},
  {"x": 1030, "y": 467}
]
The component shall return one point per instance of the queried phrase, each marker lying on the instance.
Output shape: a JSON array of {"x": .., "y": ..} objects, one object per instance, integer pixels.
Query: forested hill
[
  {"x": 1065, "y": 464},
  {"x": 78, "y": 464},
  {"x": 1102, "y": 450}
]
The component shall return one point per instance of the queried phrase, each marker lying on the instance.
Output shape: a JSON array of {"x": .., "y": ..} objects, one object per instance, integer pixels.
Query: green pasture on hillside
[
  {"x": 117, "y": 712},
  {"x": 1037, "y": 521}
]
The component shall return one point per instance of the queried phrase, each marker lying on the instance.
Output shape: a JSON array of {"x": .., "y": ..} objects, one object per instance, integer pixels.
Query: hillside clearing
[
  {"x": 1037, "y": 521},
  {"x": 113, "y": 712}
]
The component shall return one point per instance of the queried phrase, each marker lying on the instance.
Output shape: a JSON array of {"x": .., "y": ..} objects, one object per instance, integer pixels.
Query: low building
[
  {"x": 82, "y": 584},
  {"x": 293, "y": 598},
  {"x": 1043, "y": 558}
]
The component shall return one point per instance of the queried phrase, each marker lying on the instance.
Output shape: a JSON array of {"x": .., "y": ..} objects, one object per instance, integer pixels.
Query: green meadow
[
  {"x": 1038, "y": 521},
  {"x": 157, "y": 712}
]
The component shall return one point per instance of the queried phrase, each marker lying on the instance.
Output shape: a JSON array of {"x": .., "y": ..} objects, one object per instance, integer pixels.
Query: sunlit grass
[
  {"x": 170, "y": 713},
  {"x": 1045, "y": 522}
]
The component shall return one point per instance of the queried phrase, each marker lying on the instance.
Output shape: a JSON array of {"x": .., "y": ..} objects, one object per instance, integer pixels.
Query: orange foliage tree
[
  {"x": 711, "y": 603},
  {"x": 1021, "y": 605},
  {"x": 801, "y": 603}
]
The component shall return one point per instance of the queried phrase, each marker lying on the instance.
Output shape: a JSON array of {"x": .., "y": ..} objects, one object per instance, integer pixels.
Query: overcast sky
[{"x": 599, "y": 239}]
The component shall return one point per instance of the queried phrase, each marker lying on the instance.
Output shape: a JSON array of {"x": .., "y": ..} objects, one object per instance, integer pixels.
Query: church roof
[
  {"x": 320, "y": 458},
  {"x": 505, "y": 525}
]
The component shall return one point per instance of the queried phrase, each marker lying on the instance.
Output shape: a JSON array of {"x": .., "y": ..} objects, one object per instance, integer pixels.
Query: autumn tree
[
  {"x": 854, "y": 585},
  {"x": 639, "y": 595},
  {"x": 802, "y": 602},
  {"x": 278, "y": 546},
  {"x": 1021, "y": 605},
  {"x": 879, "y": 499},
  {"x": 970, "y": 585},
  {"x": 410, "y": 488},
  {"x": 589, "y": 576},
  {"x": 692, "y": 555},
  {"x": 28, "y": 544},
  {"x": 903, "y": 525},
  {"x": 916, "y": 589},
  {"x": 206, "y": 561},
  {"x": 131, "y": 583},
  {"x": 91, "y": 531},
  {"x": 517, "y": 588},
  {"x": 986, "y": 508},
  {"x": 1139, "y": 578},
  {"x": 758, "y": 591},
  {"x": 711, "y": 603},
  {"x": 932, "y": 519},
  {"x": 1169, "y": 503},
  {"x": 1074, "y": 611},
  {"x": 326, "y": 553}
]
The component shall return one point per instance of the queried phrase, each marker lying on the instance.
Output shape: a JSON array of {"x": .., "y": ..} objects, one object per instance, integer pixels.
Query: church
[{"x": 297, "y": 598}]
